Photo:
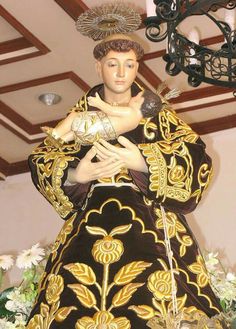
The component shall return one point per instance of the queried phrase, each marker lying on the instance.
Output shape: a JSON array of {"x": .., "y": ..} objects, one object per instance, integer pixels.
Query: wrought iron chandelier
[{"x": 200, "y": 63}]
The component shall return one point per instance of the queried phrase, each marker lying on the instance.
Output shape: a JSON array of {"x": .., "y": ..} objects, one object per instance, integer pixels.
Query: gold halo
[{"x": 102, "y": 21}]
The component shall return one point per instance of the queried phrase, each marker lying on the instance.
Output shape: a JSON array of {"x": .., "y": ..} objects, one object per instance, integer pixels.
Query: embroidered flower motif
[
  {"x": 36, "y": 322},
  {"x": 174, "y": 225},
  {"x": 177, "y": 174},
  {"x": 200, "y": 270},
  {"x": 54, "y": 289},
  {"x": 102, "y": 320},
  {"x": 107, "y": 250},
  {"x": 159, "y": 283}
]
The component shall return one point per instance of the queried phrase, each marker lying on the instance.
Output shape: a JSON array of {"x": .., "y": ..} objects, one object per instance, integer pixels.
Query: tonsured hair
[{"x": 119, "y": 45}]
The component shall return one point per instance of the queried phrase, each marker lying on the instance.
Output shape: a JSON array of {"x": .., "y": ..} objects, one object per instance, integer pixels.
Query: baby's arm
[
  {"x": 63, "y": 130},
  {"x": 114, "y": 111}
]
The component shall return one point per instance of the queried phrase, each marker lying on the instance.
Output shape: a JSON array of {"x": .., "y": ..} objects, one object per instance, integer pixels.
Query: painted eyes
[{"x": 127, "y": 65}]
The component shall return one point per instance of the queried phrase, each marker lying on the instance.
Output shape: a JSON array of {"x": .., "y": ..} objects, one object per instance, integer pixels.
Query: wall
[{"x": 26, "y": 218}]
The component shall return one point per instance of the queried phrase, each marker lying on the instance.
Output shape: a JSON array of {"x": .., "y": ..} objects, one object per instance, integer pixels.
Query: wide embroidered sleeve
[
  {"x": 179, "y": 170},
  {"x": 49, "y": 167}
]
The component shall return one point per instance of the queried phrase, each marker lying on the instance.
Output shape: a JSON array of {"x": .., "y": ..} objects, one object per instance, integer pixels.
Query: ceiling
[{"x": 41, "y": 51}]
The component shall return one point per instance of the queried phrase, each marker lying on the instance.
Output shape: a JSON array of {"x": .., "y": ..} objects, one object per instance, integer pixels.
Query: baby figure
[{"x": 108, "y": 123}]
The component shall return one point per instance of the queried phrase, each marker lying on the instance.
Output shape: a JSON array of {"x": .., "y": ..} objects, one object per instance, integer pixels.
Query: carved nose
[{"x": 121, "y": 71}]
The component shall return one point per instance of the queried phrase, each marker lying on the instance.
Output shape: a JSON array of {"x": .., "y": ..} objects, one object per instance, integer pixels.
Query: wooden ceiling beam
[
  {"x": 23, "y": 31},
  {"x": 14, "y": 45},
  {"x": 40, "y": 81},
  {"x": 73, "y": 8},
  {"x": 214, "y": 125},
  {"x": 149, "y": 75}
]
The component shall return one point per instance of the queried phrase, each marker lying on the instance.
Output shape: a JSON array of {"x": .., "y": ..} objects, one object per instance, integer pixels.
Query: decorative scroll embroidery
[
  {"x": 169, "y": 180},
  {"x": 62, "y": 236},
  {"x": 204, "y": 177},
  {"x": 180, "y": 132},
  {"x": 50, "y": 180}
]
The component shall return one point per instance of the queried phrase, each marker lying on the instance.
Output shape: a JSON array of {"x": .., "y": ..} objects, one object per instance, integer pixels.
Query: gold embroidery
[
  {"x": 106, "y": 251},
  {"x": 54, "y": 289},
  {"x": 159, "y": 283},
  {"x": 149, "y": 128},
  {"x": 143, "y": 311},
  {"x": 82, "y": 272},
  {"x": 84, "y": 295},
  {"x": 160, "y": 181},
  {"x": 52, "y": 312},
  {"x": 204, "y": 178},
  {"x": 188, "y": 318},
  {"x": 200, "y": 270},
  {"x": 199, "y": 293},
  {"x": 182, "y": 131},
  {"x": 103, "y": 319},
  {"x": 123, "y": 296},
  {"x": 55, "y": 164},
  {"x": 129, "y": 272},
  {"x": 62, "y": 236},
  {"x": 174, "y": 229}
]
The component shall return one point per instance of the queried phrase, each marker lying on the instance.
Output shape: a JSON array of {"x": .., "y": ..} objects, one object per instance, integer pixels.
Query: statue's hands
[
  {"x": 95, "y": 101},
  {"x": 130, "y": 155},
  {"x": 87, "y": 171}
]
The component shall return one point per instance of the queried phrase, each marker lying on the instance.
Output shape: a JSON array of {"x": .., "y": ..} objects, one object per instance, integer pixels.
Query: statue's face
[{"x": 118, "y": 70}]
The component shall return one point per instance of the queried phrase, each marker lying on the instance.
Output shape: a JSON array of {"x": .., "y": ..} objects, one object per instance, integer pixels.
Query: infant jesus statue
[{"x": 111, "y": 121}]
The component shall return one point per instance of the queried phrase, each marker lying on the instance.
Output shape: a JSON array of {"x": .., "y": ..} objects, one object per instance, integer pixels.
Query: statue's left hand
[{"x": 129, "y": 154}]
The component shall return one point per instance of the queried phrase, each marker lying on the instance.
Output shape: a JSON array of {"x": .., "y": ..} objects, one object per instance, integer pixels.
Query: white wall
[
  {"x": 214, "y": 220},
  {"x": 27, "y": 218}
]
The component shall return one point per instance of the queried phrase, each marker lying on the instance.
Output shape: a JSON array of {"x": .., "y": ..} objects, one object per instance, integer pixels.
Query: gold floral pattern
[
  {"x": 107, "y": 250},
  {"x": 51, "y": 312},
  {"x": 103, "y": 320},
  {"x": 54, "y": 289},
  {"x": 200, "y": 270},
  {"x": 159, "y": 283},
  {"x": 174, "y": 225},
  {"x": 36, "y": 322},
  {"x": 174, "y": 229}
]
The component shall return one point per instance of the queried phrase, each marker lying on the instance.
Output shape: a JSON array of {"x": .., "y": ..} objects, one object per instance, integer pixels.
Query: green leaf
[
  {"x": 223, "y": 304},
  {"x": 4, "y": 313},
  {"x": 4, "y": 293}
]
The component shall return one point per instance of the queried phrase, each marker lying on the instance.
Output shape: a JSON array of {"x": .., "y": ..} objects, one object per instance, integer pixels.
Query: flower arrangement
[
  {"x": 224, "y": 285},
  {"x": 16, "y": 302}
]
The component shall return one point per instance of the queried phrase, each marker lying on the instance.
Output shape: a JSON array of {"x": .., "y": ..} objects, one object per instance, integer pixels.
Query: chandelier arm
[{"x": 200, "y": 63}]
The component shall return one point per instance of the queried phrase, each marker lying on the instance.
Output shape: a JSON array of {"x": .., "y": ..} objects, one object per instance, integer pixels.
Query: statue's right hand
[{"x": 87, "y": 171}]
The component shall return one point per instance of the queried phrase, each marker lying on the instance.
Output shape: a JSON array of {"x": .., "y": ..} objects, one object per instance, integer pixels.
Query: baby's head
[{"x": 150, "y": 103}]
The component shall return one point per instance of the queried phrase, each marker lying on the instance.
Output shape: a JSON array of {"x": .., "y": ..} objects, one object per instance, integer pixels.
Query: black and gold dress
[{"x": 110, "y": 266}]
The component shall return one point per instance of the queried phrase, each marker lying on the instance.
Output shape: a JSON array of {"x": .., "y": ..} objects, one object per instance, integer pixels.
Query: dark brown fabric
[{"x": 130, "y": 223}]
